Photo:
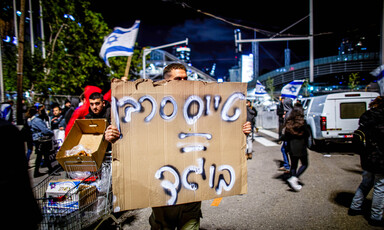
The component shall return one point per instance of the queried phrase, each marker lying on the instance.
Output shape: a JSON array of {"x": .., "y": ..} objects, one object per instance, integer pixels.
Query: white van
[{"x": 334, "y": 117}]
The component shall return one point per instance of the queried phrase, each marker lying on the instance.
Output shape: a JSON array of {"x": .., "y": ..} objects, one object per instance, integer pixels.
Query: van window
[
  {"x": 352, "y": 110},
  {"x": 318, "y": 104},
  {"x": 307, "y": 103}
]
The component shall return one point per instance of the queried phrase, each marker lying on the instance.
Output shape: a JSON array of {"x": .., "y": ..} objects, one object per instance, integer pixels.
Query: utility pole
[
  {"x": 42, "y": 30},
  {"x": 1, "y": 74},
  {"x": 311, "y": 46},
  {"x": 31, "y": 28},
  {"x": 15, "y": 20},
  {"x": 238, "y": 40},
  {"x": 255, "y": 52},
  {"x": 19, "y": 114},
  {"x": 382, "y": 34}
]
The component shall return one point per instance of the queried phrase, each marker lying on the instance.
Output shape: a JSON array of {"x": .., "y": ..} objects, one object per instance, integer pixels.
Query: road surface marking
[
  {"x": 265, "y": 141},
  {"x": 269, "y": 133},
  {"x": 216, "y": 201}
]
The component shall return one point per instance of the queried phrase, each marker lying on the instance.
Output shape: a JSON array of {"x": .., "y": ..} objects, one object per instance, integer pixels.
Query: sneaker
[
  {"x": 354, "y": 212},
  {"x": 373, "y": 222},
  {"x": 283, "y": 169},
  {"x": 293, "y": 182}
]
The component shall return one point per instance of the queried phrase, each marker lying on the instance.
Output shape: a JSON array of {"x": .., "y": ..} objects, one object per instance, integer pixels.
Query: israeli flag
[
  {"x": 292, "y": 89},
  {"x": 379, "y": 73},
  {"x": 260, "y": 89},
  {"x": 119, "y": 43}
]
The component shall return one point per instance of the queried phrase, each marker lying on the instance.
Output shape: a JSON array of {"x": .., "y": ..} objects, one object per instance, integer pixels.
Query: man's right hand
[{"x": 111, "y": 134}]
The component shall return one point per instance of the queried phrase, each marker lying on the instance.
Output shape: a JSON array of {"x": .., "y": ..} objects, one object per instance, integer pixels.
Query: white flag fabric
[
  {"x": 379, "y": 73},
  {"x": 292, "y": 89},
  {"x": 119, "y": 43},
  {"x": 260, "y": 89}
]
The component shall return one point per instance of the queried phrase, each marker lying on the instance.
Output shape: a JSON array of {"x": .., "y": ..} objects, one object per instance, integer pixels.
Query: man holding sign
[{"x": 185, "y": 215}]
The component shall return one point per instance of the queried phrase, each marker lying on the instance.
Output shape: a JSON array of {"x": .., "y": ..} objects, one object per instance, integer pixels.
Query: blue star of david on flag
[
  {"x": 260, "y": 89},
  {"x": 120, "y": 42},
  {"x": 112, "y": 39},
  {"x": 292, "y": 89}
]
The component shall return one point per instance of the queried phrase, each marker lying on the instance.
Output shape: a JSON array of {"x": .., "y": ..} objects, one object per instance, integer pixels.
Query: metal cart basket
[{"x": 70, "y": 203}]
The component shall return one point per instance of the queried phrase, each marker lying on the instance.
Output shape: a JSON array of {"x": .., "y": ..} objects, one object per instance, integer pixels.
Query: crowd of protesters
[
  {"x": 42, "y": 124},
  {"x": 45, "y": 126}
]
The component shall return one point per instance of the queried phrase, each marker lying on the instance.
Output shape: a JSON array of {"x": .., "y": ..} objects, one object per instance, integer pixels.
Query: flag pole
[{"x": 128, "y": 66}]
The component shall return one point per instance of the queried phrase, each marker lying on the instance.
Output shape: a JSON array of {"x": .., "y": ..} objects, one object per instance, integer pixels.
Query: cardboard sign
[{"x": 182, "y": 141}]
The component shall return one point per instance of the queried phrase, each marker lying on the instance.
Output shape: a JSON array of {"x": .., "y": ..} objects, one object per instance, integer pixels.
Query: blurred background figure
[
  {"x": 251, "y": 117},
  {"x": 6, "y": 111},
  {"x": 16, "y": 193},
  {"x": 41, "y": 136},
  {"x": 371, "y": 149}
]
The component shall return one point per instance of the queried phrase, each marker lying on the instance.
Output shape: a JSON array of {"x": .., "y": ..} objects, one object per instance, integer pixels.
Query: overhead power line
[{"x": 269, "y": 34}]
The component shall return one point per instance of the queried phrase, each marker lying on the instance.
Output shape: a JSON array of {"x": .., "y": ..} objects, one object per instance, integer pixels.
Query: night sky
[{"x": 212, "y": 41}]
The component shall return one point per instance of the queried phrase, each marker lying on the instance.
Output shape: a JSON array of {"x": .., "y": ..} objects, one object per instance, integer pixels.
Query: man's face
[
  {"x": 96, "y": 105},
  {"x": 176, "y": 74},
  {"x": 56, "y": 111}
]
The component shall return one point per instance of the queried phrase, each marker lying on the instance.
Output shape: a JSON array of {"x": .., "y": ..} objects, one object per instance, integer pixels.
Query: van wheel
[{"x": 311, "y": 142}]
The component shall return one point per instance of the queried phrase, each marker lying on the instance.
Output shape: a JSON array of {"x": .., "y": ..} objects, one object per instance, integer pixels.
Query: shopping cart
[{"x": 76, "y": 198}]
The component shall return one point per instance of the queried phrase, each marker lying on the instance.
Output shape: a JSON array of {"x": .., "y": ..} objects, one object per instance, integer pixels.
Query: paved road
[{"x": 329, "y": 185}]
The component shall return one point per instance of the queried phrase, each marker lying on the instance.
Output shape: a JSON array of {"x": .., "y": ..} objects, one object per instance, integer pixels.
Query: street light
[{"x": 148, "y": 51}]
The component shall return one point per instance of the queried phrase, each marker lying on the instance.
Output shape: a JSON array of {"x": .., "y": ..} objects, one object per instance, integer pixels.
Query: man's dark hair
[
  {"x": 95, "y": 96},
  {"x": 173, "y": 66},
  {"x": 56, "y": 106}
]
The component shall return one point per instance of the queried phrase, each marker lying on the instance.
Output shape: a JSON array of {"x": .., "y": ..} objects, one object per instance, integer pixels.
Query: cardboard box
[
  {"x": 58, "y": 188},
  {"x": 90, "y": 134}
]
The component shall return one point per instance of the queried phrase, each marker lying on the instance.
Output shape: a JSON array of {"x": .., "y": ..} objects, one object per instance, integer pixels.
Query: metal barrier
[{"x": 267, "y": 119}]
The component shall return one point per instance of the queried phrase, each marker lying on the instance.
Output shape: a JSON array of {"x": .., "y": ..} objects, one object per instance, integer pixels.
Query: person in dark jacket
[
  {"x": 287, "y": 105},
  {"x": 251, "y": 115},
  {"x": 280, "y": 113},
  {"x": 56, "y": 118},
  {"x": 371, "y": 124},
  {"x": 296, "y": 135}
]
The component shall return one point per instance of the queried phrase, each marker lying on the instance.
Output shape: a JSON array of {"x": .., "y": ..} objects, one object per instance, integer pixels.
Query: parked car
[{"x": 334, "y": 117}]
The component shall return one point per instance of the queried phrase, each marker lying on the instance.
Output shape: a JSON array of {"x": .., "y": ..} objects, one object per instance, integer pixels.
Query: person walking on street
[
  {"x": 371, "y": 150},
  {"x": 251, "y": 116},
  {"x": 296, "y": 135},
  {"x": 287, "y": 107},
  {"x": 41, "y": 136},
  {"x": 280, "y": 114}
]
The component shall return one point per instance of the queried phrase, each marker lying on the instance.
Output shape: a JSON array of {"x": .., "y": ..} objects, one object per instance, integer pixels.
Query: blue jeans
[
  {"x": 250, "y": 143},
  {"x": 285, "y": 156},
  {"x": 377, "y": 182}
]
